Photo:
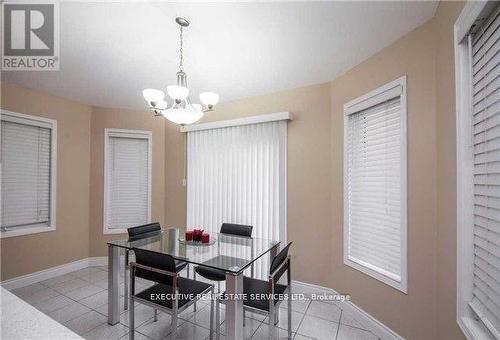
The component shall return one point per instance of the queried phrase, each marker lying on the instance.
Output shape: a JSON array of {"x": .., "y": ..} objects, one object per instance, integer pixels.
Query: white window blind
[
  {"x": 128, "y": 173},
  {"x": 238, "y": 175},
  {"x": 375, "y": 188},
  {"x": 26, "y": 174},
  {"x": 486, "y": 173}
]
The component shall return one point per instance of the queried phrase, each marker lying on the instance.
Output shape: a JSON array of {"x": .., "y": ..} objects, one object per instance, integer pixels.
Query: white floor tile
[
  {"x": 318, "y": 328},
  {"x": 70, "y": 285},
  {"x": 202, "y": 316},
  {"x": 58, "y": 279},
  {"x": 188, "y": 331},
  {"x": 159, "y": 329},
  {"x": 107, "y": 332},
  {"x": 349, "y": 320},
  {"x": 95, "y": 276},
  {"x": 40, "y": 296},
  {"x": 137, "y": 336},
  {"x": 283, "y": 321},
  {"x": 86, "y": 322},
  {"x": 324, "y": 310},
  {"x": 142, "y": 314},
  {"x": 301, "y": 337},
  {"x": 351, "y": 333},
  {"x": 263, "y": 333},
  {"x": 53, "y": 304},
  {"x": 251, "y": 326},
  {"x": 83, "y": 292},
  {"x": 28, "y": 290},
  {"x": 96, "y": 300},
  {"x": 86, "y": 271},
  {"x": 297, "y": 305},
  {"x": 69, "y": 312}
]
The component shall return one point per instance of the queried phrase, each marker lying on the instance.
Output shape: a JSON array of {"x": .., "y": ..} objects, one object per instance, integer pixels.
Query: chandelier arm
[{"x": 181, "y": 63}]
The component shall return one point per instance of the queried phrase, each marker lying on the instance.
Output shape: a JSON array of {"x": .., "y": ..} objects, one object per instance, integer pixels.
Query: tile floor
[{"x": 79, "y": 301}]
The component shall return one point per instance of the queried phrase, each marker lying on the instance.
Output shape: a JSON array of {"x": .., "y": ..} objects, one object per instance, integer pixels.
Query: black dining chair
[
  {"x": 217, "y": 274},
  {"x": 137, "y": 233},
  {"x": 268, "y": 293},
  {"x": 171, "y": 294}
]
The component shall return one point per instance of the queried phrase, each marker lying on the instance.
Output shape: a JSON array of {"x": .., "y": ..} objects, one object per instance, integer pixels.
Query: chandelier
[{"x": 182, "y": 111}]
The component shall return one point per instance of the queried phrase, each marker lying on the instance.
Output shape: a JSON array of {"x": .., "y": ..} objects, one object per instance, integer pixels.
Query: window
[
  {"x": 375, "y": 184},
  {"x": 237, "y": 174},
  {"x": 28, "y": 156},
  {"x": 477, "y": 44},
  {"x": 127, "y": 179}
]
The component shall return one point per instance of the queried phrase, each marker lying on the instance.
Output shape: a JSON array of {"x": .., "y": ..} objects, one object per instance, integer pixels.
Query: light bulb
[
  {"x": 209, "y": 98},
  {"x": 177, "y": 92},
  {"x": 153, "y": 95}
]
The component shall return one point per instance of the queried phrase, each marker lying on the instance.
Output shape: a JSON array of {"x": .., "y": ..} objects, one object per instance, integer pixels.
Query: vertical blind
[
  {"x": 236, "y": 175},
  {"x": 486, "y": 173},
  {"x": 373, "y": 201},
  {"x": 26, "y": 172},
  {"x": 128, "y": 182}
]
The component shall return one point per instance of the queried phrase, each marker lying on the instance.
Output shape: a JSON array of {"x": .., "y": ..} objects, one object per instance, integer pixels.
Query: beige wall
[
  {"x": 315, "y": 179},
  {"x": 446, "y": 16},
  {"x": 70, "y": 241},
  {"x": 308, "y": 172},
  {"x": 413, "y": 56},
  {"x": 122, "y": 119}
]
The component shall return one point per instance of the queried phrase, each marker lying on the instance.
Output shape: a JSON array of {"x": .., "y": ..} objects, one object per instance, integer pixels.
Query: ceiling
[{"x": 110, "y": 51}]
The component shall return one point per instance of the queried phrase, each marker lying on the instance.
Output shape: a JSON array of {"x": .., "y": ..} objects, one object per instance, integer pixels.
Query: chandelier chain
[{"x": 181, "y": 64}]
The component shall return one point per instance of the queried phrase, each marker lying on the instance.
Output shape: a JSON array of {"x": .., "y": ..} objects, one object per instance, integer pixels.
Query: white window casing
[
  {"x": 127, "y": 179},
  {"x": 28, "y": 174},
  {"x": 477, "y": 70},
  {"x": 375, "y": 216}
]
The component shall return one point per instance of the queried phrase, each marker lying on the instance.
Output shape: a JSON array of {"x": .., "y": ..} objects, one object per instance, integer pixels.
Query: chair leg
[
  {"x": 271, "y": 324},
  {"x": 217, "y": 317},
  {"x": 212, "y": 314},
  {"x": 243, "y": 316},
  {"x": 194, "y": 277},
  {"x": 218, "y": 287},
  {"x": 187, "y": 269},
  {"x": 173, "y": 333},
  {"x": 290, "y": 313},
  {"x": 156, "y": 315},
  {"x": 131, "y": 320},
  {"x": 125, "y": 280}
]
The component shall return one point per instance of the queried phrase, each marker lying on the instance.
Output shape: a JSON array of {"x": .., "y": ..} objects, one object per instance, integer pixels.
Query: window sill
[
  {"x": 25, "y": 231},
  {"x": 114, "y": 231},
  {"x": 399, "y": 285},
  {"x": 473, "y": 329}
]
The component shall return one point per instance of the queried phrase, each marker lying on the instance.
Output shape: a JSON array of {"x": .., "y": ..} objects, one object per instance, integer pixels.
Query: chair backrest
[
  {"x": 154, "y": 260},
  {"x": 277, "y": 261},
  {"x": 236, "y": 229},
  {"x": 144, "y": 230}
]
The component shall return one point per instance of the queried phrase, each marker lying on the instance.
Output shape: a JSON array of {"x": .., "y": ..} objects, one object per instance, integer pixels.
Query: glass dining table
[{"x": 231, "y": 254}]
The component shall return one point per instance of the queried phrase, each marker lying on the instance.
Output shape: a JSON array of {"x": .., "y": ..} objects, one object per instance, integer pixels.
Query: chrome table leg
[
  {"x": 113, "y": 276},
  {"x": 234, "y": 306}
]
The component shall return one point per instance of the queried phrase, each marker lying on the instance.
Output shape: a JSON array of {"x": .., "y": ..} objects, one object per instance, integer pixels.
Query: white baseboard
[
  {"x": 372, "y": 324},
  {"x": 26, "y": 280}
]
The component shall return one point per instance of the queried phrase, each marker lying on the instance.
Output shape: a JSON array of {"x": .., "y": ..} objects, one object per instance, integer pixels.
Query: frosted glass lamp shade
[
  {"x": 182, "y": 116},
  {"x": 153, "y": 95},
  {"x": 177, "y": 92},
  {"x": 197, "y": 107},
  {"x": 162, "y": 105},
  {"x": 209, "y": 98}
]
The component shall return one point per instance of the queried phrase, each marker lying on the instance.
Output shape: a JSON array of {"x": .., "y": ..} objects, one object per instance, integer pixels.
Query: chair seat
[
  {"x": 188, "y": 290},
  {"x": 256, "y": 287},
  {"x": 180, "y": 265},
  {"x": 211, "y": 273}
]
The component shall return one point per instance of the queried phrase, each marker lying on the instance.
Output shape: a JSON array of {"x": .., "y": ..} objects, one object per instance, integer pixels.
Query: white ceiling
[{"x": 110, "y": 51}]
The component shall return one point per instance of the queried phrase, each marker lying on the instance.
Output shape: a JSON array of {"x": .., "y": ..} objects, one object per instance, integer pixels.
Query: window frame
[
  {"x": 124, "y": 133},
  {"x": 37, "y": 121},
  {"x": 466, "y": 319},
  {"x": 373, "y": 98}
]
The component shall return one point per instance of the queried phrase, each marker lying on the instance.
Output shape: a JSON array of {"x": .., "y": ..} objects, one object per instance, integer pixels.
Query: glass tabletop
[{"x": 227, "y": 253}]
